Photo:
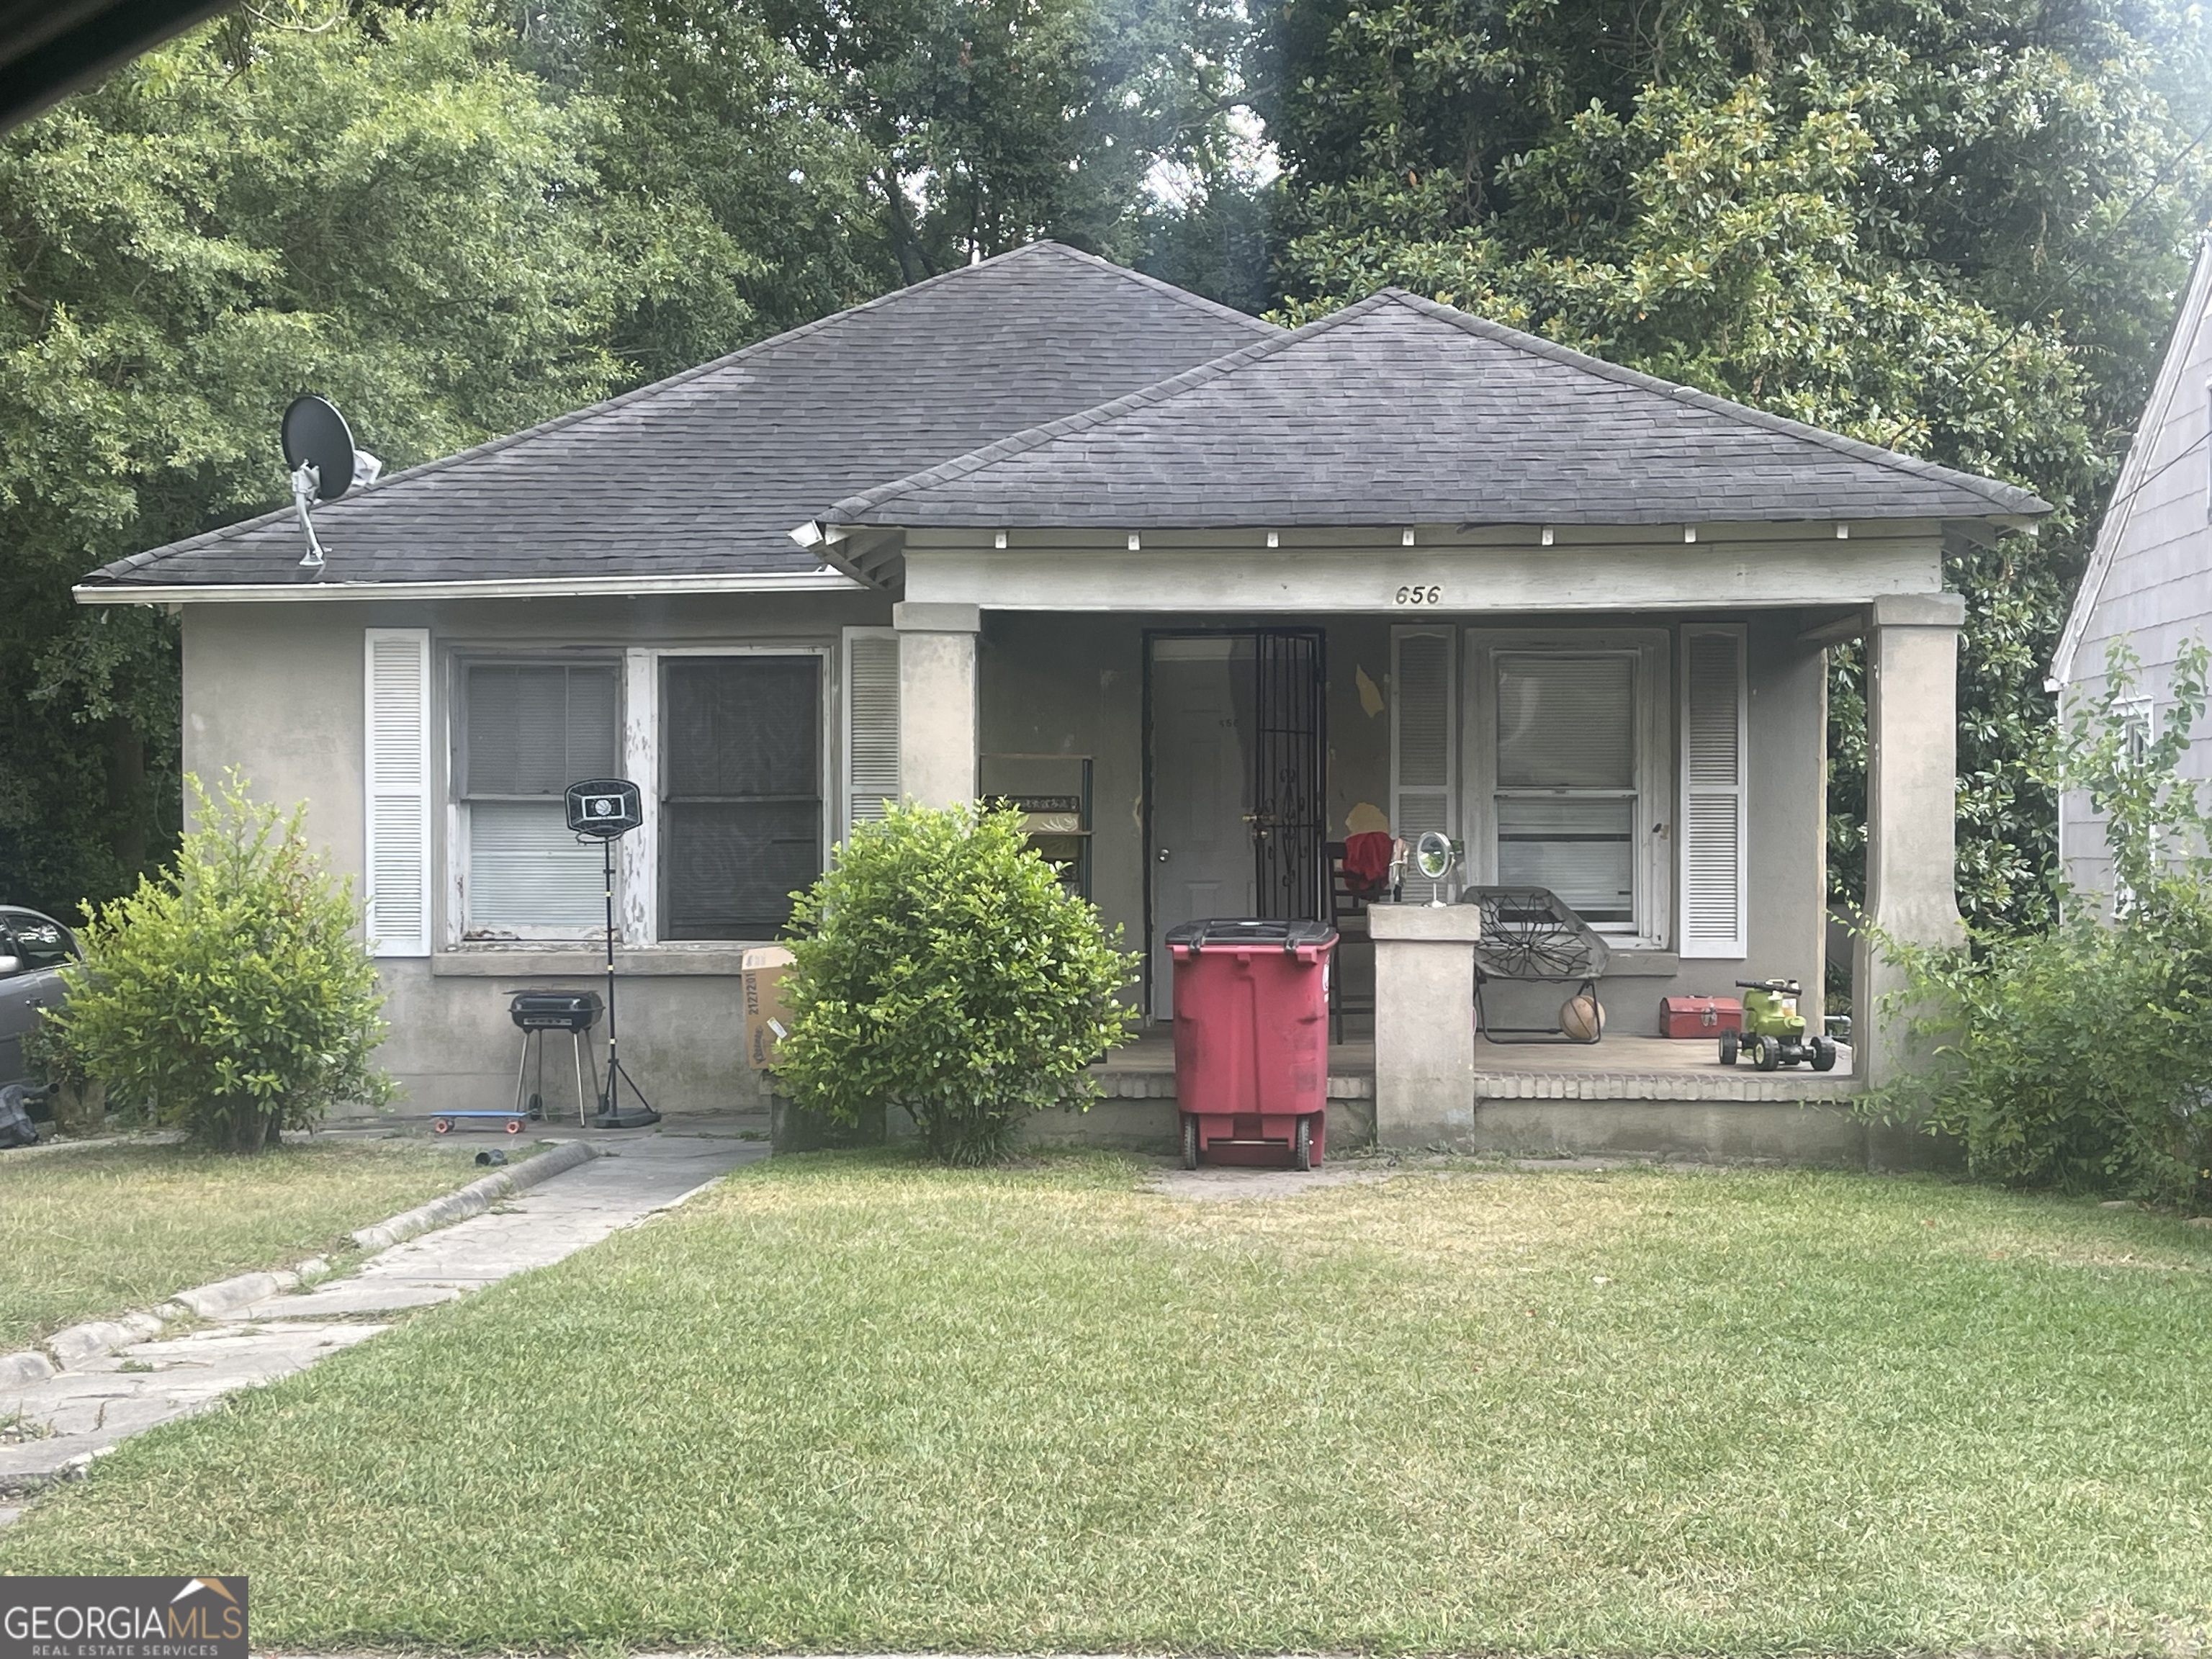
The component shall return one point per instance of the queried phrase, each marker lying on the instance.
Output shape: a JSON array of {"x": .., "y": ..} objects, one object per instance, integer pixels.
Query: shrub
[
  {"x": 230, "y": 994},
  {"x": 944, "y": 969},
  {"x": 2080, "y": 1057}
]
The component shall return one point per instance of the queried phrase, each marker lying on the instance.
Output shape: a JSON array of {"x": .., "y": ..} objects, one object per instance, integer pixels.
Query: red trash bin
[{"x": 1251, "y": 1039}]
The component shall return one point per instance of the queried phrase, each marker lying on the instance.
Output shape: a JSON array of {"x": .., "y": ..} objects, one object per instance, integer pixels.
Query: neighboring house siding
[{"x": 2150, "y": 582}]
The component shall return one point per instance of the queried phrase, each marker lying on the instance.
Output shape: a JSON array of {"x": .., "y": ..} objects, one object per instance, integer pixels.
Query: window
[
  {"x": 1569, "y": 770},
  {"x": 741, "y": 792},
  {"x": 40, "y": 942},
  {"x": 1564, "y": 806},
  {"x": 530, "y": 730}
]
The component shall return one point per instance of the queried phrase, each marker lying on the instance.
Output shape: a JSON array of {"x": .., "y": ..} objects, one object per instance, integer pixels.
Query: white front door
[{"x": 1202, "y": 730}]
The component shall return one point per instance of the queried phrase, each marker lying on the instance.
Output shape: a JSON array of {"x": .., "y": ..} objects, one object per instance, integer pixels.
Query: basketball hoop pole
[{"x": 612, "y": 1115}]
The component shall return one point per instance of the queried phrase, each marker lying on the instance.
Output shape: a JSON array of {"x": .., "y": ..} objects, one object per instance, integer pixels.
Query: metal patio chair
[{"x": 1531, "y": 936}]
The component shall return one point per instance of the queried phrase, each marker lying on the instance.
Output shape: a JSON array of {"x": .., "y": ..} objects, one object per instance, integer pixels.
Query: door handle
[{"x": 1163, "y": 855}]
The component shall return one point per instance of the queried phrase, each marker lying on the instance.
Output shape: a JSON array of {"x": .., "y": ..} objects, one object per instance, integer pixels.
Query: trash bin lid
[{"x": 1248, "y": 930}]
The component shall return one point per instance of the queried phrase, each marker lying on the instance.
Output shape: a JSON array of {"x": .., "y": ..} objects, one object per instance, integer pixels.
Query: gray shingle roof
[
  {"x": 1399, "y": 411},
  {"x": 706, "y": 473}
]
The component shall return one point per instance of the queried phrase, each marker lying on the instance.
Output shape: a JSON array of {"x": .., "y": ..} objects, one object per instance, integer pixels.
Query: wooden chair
[{"x": 1347, "y": 906}]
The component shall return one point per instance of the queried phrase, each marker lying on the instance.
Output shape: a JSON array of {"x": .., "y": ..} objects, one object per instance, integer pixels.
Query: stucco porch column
[
  {"x": 1424, "y": 1022},
  {"x": 1911, "y": 793},
  {"x": 936, "y": 702}
]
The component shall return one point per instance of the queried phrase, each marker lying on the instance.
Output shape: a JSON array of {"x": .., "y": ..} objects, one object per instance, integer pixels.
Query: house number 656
[{"x": 1419, "y": 595}]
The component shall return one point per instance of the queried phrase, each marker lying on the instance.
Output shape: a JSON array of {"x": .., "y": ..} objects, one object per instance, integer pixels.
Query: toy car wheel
[
  {"x": 1824, "y": 1055},
  {"x": 439, "y": 1126},
  {"x": 514, "y": 1125},
  {"x": 1768, "y": 1054},
  {"x": 1302, "y": 1146},
  {"x": 1189, "y": 1142},
  {"x": 1730, "y": 1044}
]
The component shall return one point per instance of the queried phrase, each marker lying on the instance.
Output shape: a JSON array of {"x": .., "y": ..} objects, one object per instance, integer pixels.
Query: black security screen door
[
  {"x": 741, "y": 740},
  {"x": 1290, "y": 815}
]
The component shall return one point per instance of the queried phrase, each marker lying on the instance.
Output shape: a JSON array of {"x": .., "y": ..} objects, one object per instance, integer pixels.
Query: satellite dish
[
  {"x": 319, "y": 452},
  {"x": 1434, "y": 854}
]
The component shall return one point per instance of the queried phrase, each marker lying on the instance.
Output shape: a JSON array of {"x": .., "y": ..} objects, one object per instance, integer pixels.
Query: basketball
[{"x": 1583, "y": 1018}]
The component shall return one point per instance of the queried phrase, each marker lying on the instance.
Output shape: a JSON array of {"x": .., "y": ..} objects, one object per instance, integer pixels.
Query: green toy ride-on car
[{"x": 1773, "y": 1030}]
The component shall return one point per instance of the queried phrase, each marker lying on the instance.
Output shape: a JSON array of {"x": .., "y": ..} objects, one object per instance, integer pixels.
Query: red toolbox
[
  {"x": 1251, "y": 1040},
  {"x": 1699, "y": 1016}
]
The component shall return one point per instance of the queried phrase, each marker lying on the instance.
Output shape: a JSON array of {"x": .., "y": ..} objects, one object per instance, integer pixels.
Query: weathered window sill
[{"x": 583, "y": 962}]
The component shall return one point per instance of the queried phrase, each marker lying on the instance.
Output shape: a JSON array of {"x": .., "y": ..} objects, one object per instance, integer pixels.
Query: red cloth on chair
[{"x": 1367, "y": 863}]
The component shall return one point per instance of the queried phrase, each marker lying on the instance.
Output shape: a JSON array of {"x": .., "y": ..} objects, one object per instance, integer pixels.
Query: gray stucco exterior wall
[{"x": 276, "y": 690}]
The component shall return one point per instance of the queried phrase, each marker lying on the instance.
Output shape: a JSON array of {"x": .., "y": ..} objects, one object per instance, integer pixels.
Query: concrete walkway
[{"x": 89, "y": 1408}]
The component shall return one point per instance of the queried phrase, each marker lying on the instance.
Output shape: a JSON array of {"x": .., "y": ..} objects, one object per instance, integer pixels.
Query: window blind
[
  {"x": 1566, "y": 721},
  {"x": 535, "y": 728},
  {"x": 532, "y": 729},
  {"x": 742, "y": 820}
]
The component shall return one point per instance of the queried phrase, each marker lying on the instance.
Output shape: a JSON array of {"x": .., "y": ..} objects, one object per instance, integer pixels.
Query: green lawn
[
  {"x": 842, "y": 1402},
  {"x": 94, "y": 1231}
]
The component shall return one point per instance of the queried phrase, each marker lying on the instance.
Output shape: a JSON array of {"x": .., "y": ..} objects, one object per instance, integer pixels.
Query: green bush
[
  {"x": 2080, "y": 1056},
  {"x": 231, "y": 995},
  {"x": 942, "y": 968}
]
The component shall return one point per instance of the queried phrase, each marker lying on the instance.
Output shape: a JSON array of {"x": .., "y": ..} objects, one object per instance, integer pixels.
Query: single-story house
[
  {"x": 1205, "y": 593},
  {"x": 2149, "y": 582}
]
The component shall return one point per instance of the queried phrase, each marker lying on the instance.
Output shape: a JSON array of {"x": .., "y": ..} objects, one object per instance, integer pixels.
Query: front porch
[{"x": 1629, "y": 1094}]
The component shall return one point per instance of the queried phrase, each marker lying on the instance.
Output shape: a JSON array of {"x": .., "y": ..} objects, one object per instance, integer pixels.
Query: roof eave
[{"x": 824, "y": 581}]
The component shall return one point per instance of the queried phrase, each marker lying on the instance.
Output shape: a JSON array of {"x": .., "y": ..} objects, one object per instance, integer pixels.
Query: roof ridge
[
  {"x": 567, "y": 418},
  {"x": 1182, "y": 295},
  {"x": 1159, "y": 392},
  {"x": 1996, "y": 490}
]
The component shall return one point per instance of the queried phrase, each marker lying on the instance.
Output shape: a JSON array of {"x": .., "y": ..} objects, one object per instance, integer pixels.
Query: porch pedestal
[
  {"x": 936, "y": 702},
  {"x": 1424, "y": 1022},
  {"x": 1912, "y": 693}
]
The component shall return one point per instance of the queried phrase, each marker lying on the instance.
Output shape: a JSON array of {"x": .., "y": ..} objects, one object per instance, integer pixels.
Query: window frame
[
  {"x": 1651, "y": 859},
  {"x": 458, "y": 802}
]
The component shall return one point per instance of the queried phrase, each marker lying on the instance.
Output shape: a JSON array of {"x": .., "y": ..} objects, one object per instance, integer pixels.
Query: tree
[
  {"x": 1956, "y": 231},
  {"x": 996, "y": 122},
  {"x": 387, "y": 209}
]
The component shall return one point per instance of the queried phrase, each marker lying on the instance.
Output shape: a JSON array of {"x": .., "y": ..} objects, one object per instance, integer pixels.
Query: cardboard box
[{"x": 767, "y": 1016}]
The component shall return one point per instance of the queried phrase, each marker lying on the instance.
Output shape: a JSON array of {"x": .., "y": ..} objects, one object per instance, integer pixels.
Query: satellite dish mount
[{"x": 319, "y": 452}]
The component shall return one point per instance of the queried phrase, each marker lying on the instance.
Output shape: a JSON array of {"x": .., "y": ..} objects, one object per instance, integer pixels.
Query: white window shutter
[
  {"x": 1424, "y": 746},
  {"x": 871, "y": 723},
  {"x": 396, "y": 791},
  {"x": 1713, "y": 763}
]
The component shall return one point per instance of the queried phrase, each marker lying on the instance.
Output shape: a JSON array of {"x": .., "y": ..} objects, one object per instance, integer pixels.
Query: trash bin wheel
[
  {"x": 439, "y": 1126},
  {"x": 1189, "y": 1141},
  {"x": 1302, "y": 1146},
  {"x": 1731, "y": 1042}
]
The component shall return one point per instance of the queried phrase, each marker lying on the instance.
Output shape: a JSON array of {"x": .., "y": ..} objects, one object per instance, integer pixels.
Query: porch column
[
  {"x": 1424, "y": 1022},
  {"x": 1911, "y": 810},
  {"x": 936, "y": 702}
]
